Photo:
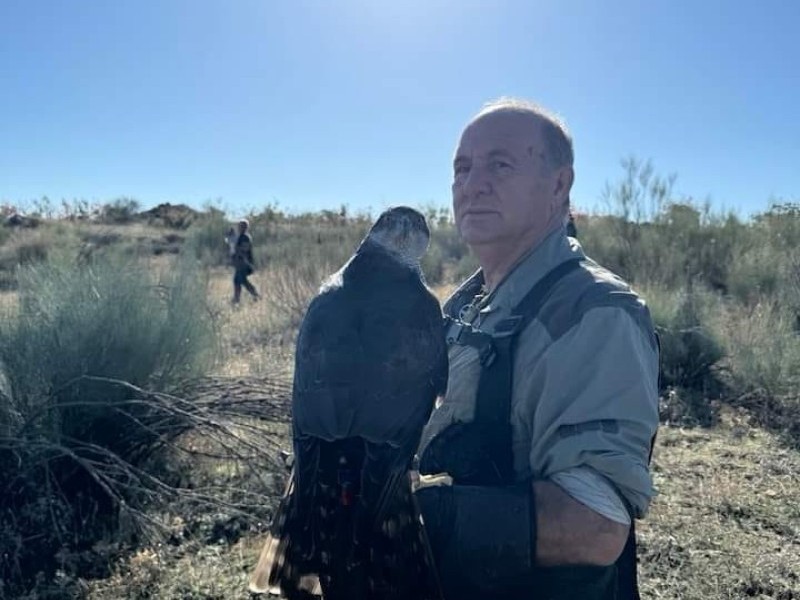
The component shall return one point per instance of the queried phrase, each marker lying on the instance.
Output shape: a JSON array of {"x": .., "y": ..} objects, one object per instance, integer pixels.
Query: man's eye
[
  {"x": 460, "y": 169},
  {"x": 498, "y": 165}
]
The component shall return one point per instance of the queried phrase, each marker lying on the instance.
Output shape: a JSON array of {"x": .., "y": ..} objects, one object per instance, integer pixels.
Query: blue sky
[{"x": 314, "y": 104}]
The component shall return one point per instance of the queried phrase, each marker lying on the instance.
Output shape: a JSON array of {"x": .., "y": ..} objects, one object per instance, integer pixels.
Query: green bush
[
  {"x": 649, "y": 236},
  {"x": 205, "y": 240},
  {"x": 724, "y": 293},
  {"x": 292, "y": 244},
  {"x": 448, "y": 259},
  {"x": 690, "y": 348},
  {"x": 121, "y": 210},
  {"x": 86, "y": 355},
  {"x": 326, "y": 240},
  {"x": 288, "y": 242},
  {"x": 762, "y": 355},
  {"x": 31, "y": 246},
  {"x": 762, "y": 347}
]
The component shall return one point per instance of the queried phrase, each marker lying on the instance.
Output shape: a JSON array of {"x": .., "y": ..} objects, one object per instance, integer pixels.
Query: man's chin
[
  {"x": 480, "y": 226},
  {"x": 475, "y": 236}
]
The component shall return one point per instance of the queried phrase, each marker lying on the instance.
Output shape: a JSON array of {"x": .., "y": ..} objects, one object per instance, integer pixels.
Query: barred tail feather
[
  {"x": 275, "y": 573},
  {"x": 273, "y": 555},
  {"x": 372, "y": 549},
  {"x": 265, "y": 571}
]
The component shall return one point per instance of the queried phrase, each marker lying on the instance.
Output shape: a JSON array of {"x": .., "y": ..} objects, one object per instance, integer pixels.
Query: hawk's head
[{"x": 403, "y": 232}]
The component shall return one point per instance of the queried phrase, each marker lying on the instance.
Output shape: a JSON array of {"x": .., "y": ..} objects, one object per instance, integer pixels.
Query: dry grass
[
  {"x": 255, "y": 339},
  {"x": 726, "y": 522},
  {"x": 8, "y": 303},
  {"x": 725, "y": 525}
]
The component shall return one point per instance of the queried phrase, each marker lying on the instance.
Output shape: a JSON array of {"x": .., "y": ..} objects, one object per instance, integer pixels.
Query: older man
[{"x": 548, "y": 420}]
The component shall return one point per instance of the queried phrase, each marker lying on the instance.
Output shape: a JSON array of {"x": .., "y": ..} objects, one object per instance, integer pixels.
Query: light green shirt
[{"x": 585, "y": 376}]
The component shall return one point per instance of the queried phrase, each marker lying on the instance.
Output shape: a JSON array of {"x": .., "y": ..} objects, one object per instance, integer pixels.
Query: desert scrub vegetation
[
  {"x": 121, "y": 210},
  {"x": 724, "y": 292},
  {"x": 322, "y": 242},
  {"x": 205, "y": 239},
  {"x": 294, "y": 255},
  {"x": 89, "y": 355},
  {"x": 26, "y": 246}
]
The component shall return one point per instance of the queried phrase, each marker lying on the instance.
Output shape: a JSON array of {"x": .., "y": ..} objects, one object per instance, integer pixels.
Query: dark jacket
[{"x": 243, "y": 254}]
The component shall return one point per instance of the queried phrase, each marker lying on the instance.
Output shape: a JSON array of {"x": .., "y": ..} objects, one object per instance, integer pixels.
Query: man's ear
[{"x": 563, "y": 184}]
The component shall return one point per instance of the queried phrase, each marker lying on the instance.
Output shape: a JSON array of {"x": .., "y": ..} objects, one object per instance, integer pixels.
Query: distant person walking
[
  {"x": 572, "y": 228},
  {"x": 241, "y": 247}
]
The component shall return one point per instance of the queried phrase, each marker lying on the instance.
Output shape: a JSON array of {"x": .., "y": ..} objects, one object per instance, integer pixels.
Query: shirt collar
[{"x": 553, "y": 250}]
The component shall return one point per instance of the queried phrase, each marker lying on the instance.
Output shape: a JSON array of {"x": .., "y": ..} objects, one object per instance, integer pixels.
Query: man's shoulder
[
  {"x": 584, "y": 288},
  {"x": 589, "y": 287}
]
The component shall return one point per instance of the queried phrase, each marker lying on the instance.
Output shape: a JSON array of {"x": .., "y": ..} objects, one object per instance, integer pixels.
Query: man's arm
[
  {"x": 597, "y": 405},
  {"x": 569, "y": 533},
  {"x": 597, "y": 412}
]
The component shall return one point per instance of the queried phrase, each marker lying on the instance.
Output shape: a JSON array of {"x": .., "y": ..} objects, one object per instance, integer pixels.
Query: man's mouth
[{"x": 480, "y": 211}]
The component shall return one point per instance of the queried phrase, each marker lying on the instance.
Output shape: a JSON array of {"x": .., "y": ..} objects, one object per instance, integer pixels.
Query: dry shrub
[
  {"x": 291, "y": 290},
  {"x": 91, "y": 355},
  {"x": 690, "y": 350},
  {"x": 762, "y": 348}
]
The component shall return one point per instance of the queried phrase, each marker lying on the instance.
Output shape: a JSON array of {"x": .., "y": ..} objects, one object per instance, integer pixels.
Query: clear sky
[{"x": 312, "y": 104}]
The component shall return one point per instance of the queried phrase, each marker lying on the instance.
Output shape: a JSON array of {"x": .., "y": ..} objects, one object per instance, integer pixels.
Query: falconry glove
[{"x": 487, "y": 534}]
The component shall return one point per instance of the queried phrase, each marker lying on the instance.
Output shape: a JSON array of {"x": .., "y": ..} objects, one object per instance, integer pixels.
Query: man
[
  {"x": 551, "y": 408},
  {"x": 242, "y": 259},
  {"x": 572, "y": 228}
]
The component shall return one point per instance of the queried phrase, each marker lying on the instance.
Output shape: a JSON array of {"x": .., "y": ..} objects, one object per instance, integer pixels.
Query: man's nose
[{"x": 477, "y": 182}]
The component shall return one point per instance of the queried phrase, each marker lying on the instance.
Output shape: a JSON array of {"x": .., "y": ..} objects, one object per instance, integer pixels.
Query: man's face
[{"x": 503, "y": 187}]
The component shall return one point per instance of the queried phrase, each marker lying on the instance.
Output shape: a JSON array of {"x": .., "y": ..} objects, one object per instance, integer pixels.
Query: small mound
[{"x": 174, "y": 216}]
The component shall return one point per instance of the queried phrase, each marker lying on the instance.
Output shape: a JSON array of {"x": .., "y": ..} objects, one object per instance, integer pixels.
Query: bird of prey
[{"x": 370, "y": 361}]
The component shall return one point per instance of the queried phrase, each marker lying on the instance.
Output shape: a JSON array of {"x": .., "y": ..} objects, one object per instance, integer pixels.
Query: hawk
[{"x": 370, "y": 361}]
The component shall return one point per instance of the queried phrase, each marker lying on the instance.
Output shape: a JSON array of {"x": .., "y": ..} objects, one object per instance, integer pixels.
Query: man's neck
[{"x": 499, "y": 259}]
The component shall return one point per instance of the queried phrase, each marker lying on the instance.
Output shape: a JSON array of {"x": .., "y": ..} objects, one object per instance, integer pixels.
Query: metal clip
[
  {"x": 465, "y": 334},
  {"x": 453, "y": 330}
]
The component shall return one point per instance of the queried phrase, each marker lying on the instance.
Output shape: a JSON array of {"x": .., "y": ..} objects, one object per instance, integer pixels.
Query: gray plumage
[{"x": 370, "y": 361}]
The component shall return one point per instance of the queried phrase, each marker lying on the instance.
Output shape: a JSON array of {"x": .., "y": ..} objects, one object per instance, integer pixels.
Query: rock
[
  {"x": 18, "y": 220},
  {"x": 14, "y": 220}
]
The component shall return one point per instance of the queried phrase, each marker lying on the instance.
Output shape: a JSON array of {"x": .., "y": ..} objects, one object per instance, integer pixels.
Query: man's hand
[{"x": 569, "y": 533}]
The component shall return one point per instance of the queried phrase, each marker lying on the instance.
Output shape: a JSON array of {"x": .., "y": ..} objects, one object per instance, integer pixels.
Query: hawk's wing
[{"x": 369, "y": 363}]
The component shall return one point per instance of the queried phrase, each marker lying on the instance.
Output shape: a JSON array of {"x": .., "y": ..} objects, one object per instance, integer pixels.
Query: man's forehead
[{"x": 500, "y": 131}]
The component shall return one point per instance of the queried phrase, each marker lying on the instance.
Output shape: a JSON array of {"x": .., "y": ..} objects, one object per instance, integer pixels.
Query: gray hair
[{"x": 557, "y": 138}]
